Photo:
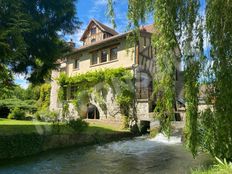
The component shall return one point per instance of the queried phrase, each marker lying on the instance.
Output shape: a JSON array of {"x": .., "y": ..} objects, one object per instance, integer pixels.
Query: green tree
[
  {"x": 6, "y": 82},
  {"x": 29, "y": 39},
  {"x": 219, "y": 28}
]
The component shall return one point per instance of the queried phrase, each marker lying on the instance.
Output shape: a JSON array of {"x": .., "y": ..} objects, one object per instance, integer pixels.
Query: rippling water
[{"x": 138, "y": 156}]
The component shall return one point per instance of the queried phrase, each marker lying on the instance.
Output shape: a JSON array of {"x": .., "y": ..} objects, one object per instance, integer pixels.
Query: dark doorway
[
  {"x": 144, "y": 126},
  {"x": 92, "y": 112}
]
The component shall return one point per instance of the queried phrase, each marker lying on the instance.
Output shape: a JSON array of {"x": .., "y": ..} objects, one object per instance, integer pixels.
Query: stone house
[{"x": 104, "y": 48}]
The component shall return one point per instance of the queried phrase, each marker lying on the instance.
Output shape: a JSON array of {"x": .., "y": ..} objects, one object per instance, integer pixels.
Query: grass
[
  {"x": 9, "y": 122},
  {"x": 9, "y": 127},
  {"x": 220, "y": 168}
]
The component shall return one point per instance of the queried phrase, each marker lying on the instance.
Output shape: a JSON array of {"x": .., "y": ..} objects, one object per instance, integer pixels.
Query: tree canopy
[{"x": 29, "y": 34}]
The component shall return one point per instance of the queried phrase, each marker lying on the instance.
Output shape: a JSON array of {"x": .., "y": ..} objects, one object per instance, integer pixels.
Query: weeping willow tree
[
  {"x": 193, "y": 56},
  {"x": 179, "y": 35},
  {"x": 219, "y": 28},
  {"x": 166, "y": 45}
]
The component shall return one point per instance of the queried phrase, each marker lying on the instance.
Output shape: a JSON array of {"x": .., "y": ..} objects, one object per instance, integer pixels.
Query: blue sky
[{"x": 88, "y": 9}]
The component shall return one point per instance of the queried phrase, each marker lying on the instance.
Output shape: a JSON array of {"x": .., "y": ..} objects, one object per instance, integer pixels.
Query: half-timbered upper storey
[
  {"x": 96, "y": 31},
  {"x": 103, "y": 47}
]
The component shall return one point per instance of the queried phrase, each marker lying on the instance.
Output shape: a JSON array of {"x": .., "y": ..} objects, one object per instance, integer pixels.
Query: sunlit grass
[
  {"x": 222, "y": 167},
  {"x": 21, "y": 122},
  {"x": 9, "y": 127}
]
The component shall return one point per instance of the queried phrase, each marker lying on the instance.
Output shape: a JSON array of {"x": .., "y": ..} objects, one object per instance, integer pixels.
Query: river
[{"x": 137, "y": 156}]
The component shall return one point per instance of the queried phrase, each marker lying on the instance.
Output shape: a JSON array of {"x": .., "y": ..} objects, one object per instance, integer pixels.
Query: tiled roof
[{"x": 105, "y": 28}]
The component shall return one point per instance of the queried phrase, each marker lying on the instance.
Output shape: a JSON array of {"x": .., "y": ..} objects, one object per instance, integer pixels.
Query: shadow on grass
[
  {"x": 25, "y": 129},
  {"x": 51, "y": 129}
]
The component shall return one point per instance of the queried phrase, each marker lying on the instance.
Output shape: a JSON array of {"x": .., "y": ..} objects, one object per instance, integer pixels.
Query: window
[
  {"x": 113, "y": 53},
  {"x": 93, "y": 31},
  {"x": 103, "y": 56},
  {"x": 104, "y": 36},
  {"x": 94, "y": 58},
  {"x": 76, "y": 64},
  {"x": 93, "y": 40}
]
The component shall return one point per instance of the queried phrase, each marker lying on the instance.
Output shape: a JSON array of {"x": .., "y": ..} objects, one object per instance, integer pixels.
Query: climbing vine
[{"x": 98, "y": 83}]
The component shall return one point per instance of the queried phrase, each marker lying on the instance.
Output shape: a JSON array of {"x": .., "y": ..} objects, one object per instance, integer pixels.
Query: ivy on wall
[{"x": 98, "y": 84}]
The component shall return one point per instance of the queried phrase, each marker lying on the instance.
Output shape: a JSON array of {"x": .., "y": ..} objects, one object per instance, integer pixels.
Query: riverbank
[
  {"x": 21, "y": 140},
  {"x": 137, "y": 155}
]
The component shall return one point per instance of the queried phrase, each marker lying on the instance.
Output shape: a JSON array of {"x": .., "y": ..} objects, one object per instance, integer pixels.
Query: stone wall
[
  {"x": 142, "y": 109},
  {"x": 112, "y": 112}
]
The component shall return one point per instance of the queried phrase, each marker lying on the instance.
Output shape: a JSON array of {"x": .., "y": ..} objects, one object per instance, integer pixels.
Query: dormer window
[{"x": 93, "y": 30}]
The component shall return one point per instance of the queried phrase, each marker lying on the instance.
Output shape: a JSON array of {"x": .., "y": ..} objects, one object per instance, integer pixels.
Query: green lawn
[
  {"x": 9, "y": 127},
  {"x": 21, "y": 122}
]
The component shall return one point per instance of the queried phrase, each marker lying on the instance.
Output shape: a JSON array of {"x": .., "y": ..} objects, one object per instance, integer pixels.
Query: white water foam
[
  {"x": 163, "y": 139},
  {"x": 139, "y": 145}
]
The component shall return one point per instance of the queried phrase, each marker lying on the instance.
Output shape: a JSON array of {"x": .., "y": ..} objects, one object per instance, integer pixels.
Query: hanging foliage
[
  {"x": 192, "y": 50},
  {"x": 219, "y": 28},
  {"x": 98, "y": 83},
  {"x": 179, "y": 25},
  {"x": 166, "y": 46}
]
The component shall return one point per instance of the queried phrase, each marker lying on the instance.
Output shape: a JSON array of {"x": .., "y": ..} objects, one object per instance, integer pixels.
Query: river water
[{"x": 138, "y": 156}]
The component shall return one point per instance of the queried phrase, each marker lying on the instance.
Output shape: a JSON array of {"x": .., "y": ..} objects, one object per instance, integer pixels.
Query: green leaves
[
  {"x": 28, "y": 34},
  {"x": 219, "y": 28},
  {"x": 97, "y": 82}
]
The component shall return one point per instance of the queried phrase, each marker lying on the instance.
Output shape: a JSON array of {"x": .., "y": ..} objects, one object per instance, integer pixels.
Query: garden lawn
[{"x": 9, "y": 127}]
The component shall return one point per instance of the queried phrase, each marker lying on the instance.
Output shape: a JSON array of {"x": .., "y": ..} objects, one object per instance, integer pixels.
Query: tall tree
[
  {"x": 219, "y": 28},
  {"x": 29, "y": 39}
]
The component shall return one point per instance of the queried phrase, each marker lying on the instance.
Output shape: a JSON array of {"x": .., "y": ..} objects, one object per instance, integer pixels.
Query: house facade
[{"x": 104, "y": 48}]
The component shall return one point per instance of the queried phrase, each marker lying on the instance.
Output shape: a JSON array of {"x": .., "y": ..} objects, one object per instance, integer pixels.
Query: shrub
[
  {"x": 20, "y": 145},
  {"x": 45, "y": 115},
  {"x": 17, "y": 114},
  {"x": 78, "y": 125},
  {"x": 7, "y": 104}
]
